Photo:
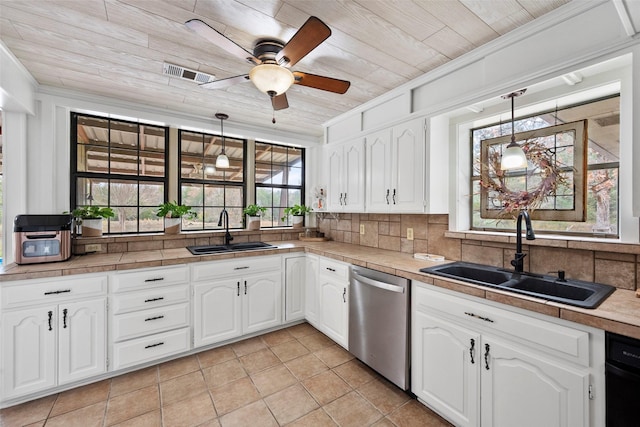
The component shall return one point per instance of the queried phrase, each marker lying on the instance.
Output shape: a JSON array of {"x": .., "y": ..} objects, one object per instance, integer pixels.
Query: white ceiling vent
[{"x": 186, "y": 74}]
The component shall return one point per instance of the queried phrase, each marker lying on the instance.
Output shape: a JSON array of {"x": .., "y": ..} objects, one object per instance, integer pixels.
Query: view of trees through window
[{"x": 603, "y": 156}]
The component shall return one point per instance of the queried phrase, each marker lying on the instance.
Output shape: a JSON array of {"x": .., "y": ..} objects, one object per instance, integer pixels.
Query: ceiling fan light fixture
[{"x": 271, "y": 79}]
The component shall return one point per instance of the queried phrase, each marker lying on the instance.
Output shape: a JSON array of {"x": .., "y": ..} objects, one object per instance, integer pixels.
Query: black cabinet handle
[
  {"x": 154, "y": 345},
  {"x": 154, "y": 318},
  {"x": 344, "y": 295},
  {"x": 394, "y": 196},
  {"x": 64, "y": 318},
  {"x": 154, "y": 299},
  {"x": 387, "y": 196},
  {"x": 50, "y": 317},
  {"x": 238, "y": 288},
  {"x": 245, "y": 287},
  {"x": 486, "y": 356},
  {"x": 486, "y": 319},
  {"x": 345, "y": 199},
  {"x": 331, "y": 269},
  {"x": 340, "y": 199},
  {"x": 155, "y": 279},
  {"x": 472, "y": 350},
  {"x": 64, "y": 291},
  {"x": 241, "y": 268}
]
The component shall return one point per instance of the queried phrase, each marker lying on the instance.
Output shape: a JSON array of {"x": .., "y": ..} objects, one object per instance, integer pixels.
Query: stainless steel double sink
[
  {"x": 237, "y": 247},
  {"x": 567, "y": 291}
]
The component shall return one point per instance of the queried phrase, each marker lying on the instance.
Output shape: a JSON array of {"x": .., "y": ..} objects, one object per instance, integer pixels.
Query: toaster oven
[{"x": 42, "y": 238}]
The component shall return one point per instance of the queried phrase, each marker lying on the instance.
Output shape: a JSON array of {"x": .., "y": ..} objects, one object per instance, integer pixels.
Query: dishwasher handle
[{"x": 377, "y": 283}]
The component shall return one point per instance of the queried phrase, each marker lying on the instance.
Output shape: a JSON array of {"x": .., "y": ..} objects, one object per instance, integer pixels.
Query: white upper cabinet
[{"x": 345, "y": 165}]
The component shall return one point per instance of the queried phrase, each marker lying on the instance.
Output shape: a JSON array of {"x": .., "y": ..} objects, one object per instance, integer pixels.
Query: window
[
  {"x": 602, "y": 138},
  {"x": 207, "y": 190},
  {"x": 121, "y": 165},
  {"x": 279, "y": 174}
]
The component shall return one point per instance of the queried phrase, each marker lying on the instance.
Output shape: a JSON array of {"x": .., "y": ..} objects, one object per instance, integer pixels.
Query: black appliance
[{"x": 622, "y": 379}]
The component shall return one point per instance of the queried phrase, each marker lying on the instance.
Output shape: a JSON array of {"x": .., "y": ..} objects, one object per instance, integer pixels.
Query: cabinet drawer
[
  {"x": 145, "y": 322},
  {"x": 150, "y": 298},
  {"x": 336, "y": 269},
  {"x": 544, "y": 336},
  {"x": 140, "y": 279},
  {"x": 32, "y": 292},
  {"x": 249, "y": 265},
  {"x": 150, "y": 348}
]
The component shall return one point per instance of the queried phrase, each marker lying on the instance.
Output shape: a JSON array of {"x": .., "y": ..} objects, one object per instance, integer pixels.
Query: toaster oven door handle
[{"x": 41, "y": 236}]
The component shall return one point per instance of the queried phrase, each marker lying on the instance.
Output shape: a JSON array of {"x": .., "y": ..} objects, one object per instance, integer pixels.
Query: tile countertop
[{"x": 620, "y": 313}]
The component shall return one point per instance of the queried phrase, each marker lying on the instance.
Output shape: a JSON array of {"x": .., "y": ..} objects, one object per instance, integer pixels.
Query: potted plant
[
  {"x": 173, "y": 213},
  {"x": 253, "y": 213},
  {"x": 90, "y": 218},
  {"x": 297, "y": 212}
]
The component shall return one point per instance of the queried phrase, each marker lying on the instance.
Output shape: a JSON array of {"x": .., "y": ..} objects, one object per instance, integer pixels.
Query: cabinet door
[
  {"x": 353, "y": 178},
  {"x": 335, "y": 167},
  {"x": 408, "y": 160},
  {"x": 29, "y": 339},
  {"x": 525, "y": 390},
  {"x": 261, "y": 302},
  {"x": 295, "y": 276},
  {"x": 378, "y": 167},
  {"x": 334, "y": 310},
  {"x": 445, "y": 368},
  {"x": 82, "y": 340},
  {"x": 311, "y": 290},
  {"x": 216, "y": 308}
]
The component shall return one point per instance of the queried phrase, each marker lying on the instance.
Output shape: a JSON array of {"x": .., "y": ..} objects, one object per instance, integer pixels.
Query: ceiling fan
[{"x": 271, "y": 60}]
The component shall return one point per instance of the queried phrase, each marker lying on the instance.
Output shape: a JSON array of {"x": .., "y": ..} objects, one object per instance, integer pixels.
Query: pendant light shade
[
  {"x": 222, "y": 162},
  {"x": 271, "y": 79},
  {"x": 513, "y": 156}
]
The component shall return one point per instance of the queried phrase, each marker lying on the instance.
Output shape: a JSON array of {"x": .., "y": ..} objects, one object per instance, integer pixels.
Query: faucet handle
[{"x": 560, "y": 275}]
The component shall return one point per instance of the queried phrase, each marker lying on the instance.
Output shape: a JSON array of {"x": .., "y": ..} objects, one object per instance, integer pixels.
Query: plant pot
[
  {"x": 172, "y": 225},
  {"x": 298, "y": 221},
  {"x": 253, "y": 222},
  {"x": 92, "y": 227}
]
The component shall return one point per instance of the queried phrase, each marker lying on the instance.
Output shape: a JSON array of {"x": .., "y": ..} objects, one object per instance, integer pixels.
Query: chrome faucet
[
  {"x": 518, "y": 261},
  {"x": 227, "y": 236}
]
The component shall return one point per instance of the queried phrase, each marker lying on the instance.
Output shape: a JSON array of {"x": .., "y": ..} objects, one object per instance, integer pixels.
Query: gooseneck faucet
[
  {"x": 518, "y": 261},
  {"x": 227, "y": 236}
]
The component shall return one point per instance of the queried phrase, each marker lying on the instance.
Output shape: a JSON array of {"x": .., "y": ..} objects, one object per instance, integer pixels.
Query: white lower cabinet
[
  {"x": 52, "y": 344},
  {"x": 247, "y": 301},
  {"x": 311, "y": 293},
  {"x": 481, "y": 365},
  {"x": 295, "y": 269},
  {"x": 333, "y": 302}
]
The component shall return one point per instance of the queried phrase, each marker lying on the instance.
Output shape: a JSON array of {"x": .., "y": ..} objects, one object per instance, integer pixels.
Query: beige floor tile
[
  {"x": 259, "y": 361},
  {"x": 415, "y": 414},
  {"x": 315, "y": 342},
  {"x": 333, "y": 356},
  {"x": 355, "y": 373},
  {"x": 178, "y": 367},
  {"x": 130, "y": 405},
  {"x": 224, "y": 373},
  {"x": 317, "y": 418},
  {"x": 247, "y": 346},
  {"x": 289, "y": 350},
  {"x": 80, "y": 397},
  {"x": 215, "y": 356},
  {"x": 36, "y": 424},
  {"x": 190, "y": 412},
  {"x": 306, "y": 366},
  {"x": 133, "y": 381},
  {"x": 326, "y": 387},
  {"x": 256, "y": 414},
  {"x": 301, "y": 330},
  {"x": 352, "y": 410},
  {"x": 182, "y": 387},
  {"x": 232, "y": 396},
  {"x": 150, "y": 419},
  {"x": 290, "y": 404},
  {"x": 88, "y": 416},
  {"x": 273, "y": 379},
  {"x": 385, "y": 396},
  {"x": 385, "y": 422},
  {"x": 27, "y": 413},
  {"x": 277, "y": 337}
]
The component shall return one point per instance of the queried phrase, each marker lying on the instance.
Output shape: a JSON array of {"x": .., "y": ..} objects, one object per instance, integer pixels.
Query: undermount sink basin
[
  {"x": 214, "y": 249},
  {"x": 572, "y": 292}
]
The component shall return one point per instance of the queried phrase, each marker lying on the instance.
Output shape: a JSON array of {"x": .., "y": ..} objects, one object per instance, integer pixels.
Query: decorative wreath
[{"x": 514, "y": 201}]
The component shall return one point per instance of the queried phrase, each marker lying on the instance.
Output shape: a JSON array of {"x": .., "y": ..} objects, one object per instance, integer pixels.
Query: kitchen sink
[
  {"x": 572, "y": 292},
  {"x": 214, "y": 249}
]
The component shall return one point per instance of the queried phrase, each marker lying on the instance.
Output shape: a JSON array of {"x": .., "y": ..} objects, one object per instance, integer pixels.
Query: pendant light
[
  {"x": 222, "y": 162},
  {"x": 513, "y": 156}
]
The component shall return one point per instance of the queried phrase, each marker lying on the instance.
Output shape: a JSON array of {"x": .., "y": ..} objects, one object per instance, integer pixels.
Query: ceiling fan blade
[
  {"x": 220, "y": 40},
  {"x": 229, "y": 81},
  {"x": 320, "y": 82},
  {"x": 280, "y": 102},
  {"x": 307, "y": 38}
]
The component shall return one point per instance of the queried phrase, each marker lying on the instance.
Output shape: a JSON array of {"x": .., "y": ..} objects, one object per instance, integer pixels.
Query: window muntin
[
  {"x": 603, "y": 151},
  {"x": 279, "y": 178},
  {"x": 206, "y": 189},
  {"x": 121, "y": 165}
]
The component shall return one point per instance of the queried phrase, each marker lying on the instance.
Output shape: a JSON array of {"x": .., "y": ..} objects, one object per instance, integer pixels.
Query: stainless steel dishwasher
[{"x": 379, "y": 323}]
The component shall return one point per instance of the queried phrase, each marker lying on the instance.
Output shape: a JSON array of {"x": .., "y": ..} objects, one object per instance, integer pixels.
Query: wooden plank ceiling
[{"x": 117, "y": 48}]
